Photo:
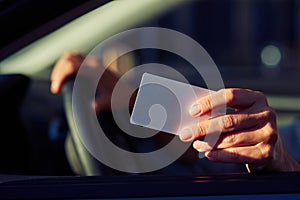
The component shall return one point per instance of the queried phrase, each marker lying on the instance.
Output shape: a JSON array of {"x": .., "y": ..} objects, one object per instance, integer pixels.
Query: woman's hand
[
  {"x": 92, "y": 68},
  {"x": 68, "y": 66},
  {"x": 249, "y": 134}
]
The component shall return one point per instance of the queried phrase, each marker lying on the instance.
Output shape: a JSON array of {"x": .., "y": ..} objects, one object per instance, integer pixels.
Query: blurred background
[{"x": 254, "y": 43}]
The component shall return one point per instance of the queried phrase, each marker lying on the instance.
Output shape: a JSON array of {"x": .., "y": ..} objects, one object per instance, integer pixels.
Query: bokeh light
[{"x": 270, "y": 56}]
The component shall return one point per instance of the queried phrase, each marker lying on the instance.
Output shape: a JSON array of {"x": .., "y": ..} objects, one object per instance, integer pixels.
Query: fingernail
[
  {"x": 197, "y": 144},
  {"x": 186, "y": 134},
  {"x": 201, "y": 146},
  {"x": 195, "y": 110}
]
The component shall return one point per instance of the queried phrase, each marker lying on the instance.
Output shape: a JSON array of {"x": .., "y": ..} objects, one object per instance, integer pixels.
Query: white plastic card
[{"x": 163, "y": 104}]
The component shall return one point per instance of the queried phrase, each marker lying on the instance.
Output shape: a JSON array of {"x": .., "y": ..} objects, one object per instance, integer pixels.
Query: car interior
[{"x": 255, "y": 45}]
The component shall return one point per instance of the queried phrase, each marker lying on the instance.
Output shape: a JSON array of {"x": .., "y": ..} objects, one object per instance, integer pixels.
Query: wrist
[{"x": 281, "y": 162}]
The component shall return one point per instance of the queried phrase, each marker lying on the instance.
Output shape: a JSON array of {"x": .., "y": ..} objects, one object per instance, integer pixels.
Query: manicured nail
[
  {"x": 186, "y": 134},
  {"x": 201, "y": 146},
  {"x": 197, "y": 144},
  {"x": 195, "y": 110}
]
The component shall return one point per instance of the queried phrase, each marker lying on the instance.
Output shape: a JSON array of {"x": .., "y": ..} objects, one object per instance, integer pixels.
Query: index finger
[{"x": 231, "y": 97}]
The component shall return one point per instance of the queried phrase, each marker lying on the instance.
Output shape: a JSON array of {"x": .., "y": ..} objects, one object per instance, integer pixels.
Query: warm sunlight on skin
[{"x": 249, "y": 134}]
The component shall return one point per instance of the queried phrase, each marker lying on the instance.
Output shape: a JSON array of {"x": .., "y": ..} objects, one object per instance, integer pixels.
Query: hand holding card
[{"x": 163, "y": 104}]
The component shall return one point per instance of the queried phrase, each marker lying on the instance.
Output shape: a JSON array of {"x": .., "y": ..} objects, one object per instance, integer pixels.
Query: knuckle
[
  {"x": 266, "y": 151},
  {"x": 268, "y": 115},
  {"x": 270, "y": 128},
  {"x": 205, "y": 104},
  {"x": 201, "y": 130},
  {"x": 271, "y": 114},
  {"x": 268, "y": 112},
  {"x": 228, "y": 121},
  {"x": 230, "y": 95},
  {"x": 230, "y": 139},
  {"x": 272, "y": 135}
]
